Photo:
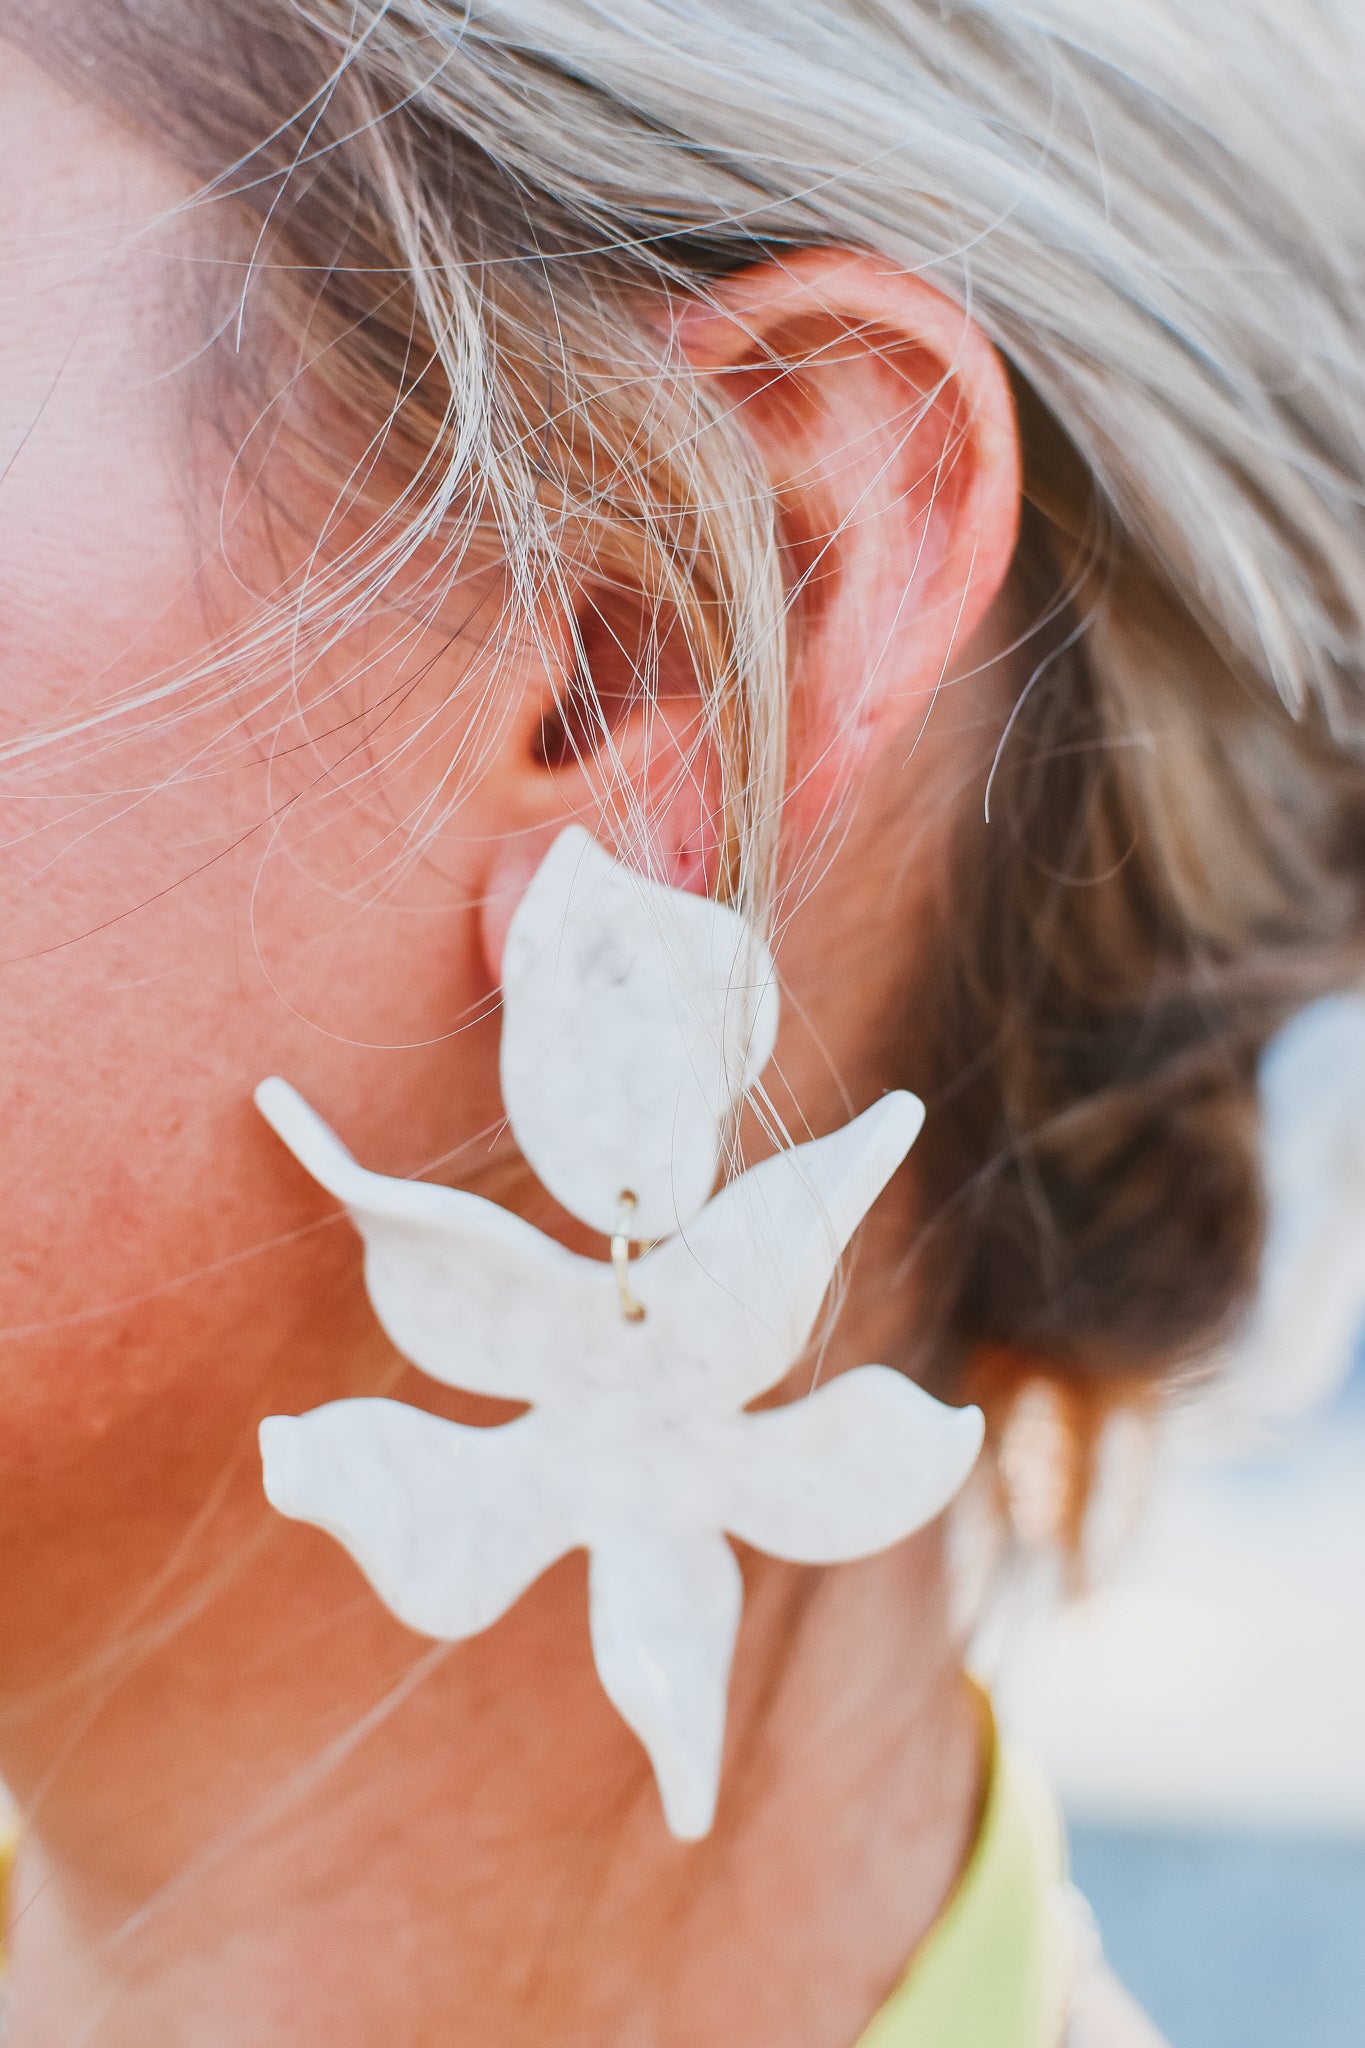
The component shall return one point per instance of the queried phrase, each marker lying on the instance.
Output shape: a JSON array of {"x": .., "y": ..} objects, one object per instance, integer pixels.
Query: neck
[
  {"x": 260, "y": 1811},
  {"x": 292, "y": 1813}
]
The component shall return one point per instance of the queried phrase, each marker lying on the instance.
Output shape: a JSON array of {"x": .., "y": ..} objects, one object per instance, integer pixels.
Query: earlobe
[
  {"x": 621, "y": 744},
  {"x": 885, "y": 421}
]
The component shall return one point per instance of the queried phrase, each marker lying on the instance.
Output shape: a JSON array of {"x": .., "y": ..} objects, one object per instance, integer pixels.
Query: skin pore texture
[{"x": 258, "y": 1811}]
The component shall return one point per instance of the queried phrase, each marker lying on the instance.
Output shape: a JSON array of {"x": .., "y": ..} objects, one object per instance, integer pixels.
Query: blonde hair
[{"x": 1154, "y": 216}]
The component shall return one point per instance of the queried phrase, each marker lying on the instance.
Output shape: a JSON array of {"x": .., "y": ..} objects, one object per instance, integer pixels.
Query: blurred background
[{"x": 1202, "y": 1713}]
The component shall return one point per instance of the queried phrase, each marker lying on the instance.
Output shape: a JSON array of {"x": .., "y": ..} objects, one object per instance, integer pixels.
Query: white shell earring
[{"x": 635, "y": 1018}]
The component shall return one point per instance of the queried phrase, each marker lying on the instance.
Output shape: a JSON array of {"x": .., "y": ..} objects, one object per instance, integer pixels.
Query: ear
[
  {"x": 885, "y": 421},
  {"x": 613, "y": 734}
]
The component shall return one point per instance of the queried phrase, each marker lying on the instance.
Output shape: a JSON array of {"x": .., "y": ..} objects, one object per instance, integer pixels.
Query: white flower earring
[{"x": 635, "y": 1018}]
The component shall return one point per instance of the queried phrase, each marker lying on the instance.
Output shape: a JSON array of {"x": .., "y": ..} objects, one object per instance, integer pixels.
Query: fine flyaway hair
[{"x": 465, "y": 222}]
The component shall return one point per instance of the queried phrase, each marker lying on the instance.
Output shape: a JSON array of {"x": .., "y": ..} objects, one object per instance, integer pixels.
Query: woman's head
[
  {"x": 501, "y": 369},
  {"x": 897, "y": 466}
]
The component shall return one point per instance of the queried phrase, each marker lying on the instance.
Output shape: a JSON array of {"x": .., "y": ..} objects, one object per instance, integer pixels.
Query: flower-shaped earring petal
[
  {"x": 634, "y": 1019},
  {"x": 637, "y": 1446}
]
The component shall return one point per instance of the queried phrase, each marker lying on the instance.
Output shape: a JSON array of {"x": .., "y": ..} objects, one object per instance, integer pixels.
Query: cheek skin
[
  {"x": 166, "y": 944},
  {"x": 178, "y": 919}
]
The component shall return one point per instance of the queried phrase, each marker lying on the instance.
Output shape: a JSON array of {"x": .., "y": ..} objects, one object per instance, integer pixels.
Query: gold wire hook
[{"x": 633, "y": 1310}]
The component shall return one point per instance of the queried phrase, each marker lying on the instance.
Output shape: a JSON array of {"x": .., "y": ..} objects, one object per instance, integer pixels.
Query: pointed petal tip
[
  {"x": 312, "y": 1141},
  {"x": 903, "y": 1113},
  {"x": 575, "y": 855},
  {"x": 271, "y": 1095},
  {"x": 970, "y": 1426},
  {"x": 284, "y": 1109},
  {"x": 689, "y": 1788},
  {"x": 960, "y": 1431},
  {"x": 689, "y": 1815},
  {"x": 278, "y": 1439},
  {"x": 581, "y": 840}
]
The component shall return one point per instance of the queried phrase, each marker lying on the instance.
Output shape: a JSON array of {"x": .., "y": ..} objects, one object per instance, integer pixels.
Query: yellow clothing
[
  {"x": 9, "y": 1847},
  {"x": 993, "y": 1972}
]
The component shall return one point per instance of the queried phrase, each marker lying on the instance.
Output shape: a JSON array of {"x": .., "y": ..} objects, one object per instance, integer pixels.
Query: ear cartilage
[{"x": 635, "y": 1018}]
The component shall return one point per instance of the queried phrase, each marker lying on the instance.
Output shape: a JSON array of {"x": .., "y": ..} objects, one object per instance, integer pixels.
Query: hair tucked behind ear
[{"x": 1155, "y": 218}]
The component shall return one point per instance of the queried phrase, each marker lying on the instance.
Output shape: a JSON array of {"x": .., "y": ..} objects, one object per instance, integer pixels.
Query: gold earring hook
[{"x": 633, "y": 1310}]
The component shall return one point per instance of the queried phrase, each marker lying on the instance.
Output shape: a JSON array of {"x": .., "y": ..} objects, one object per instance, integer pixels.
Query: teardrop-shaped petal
[
  {"x": 741, "y": 1289},
  {"x": 848, "y": 1471},
  {"x": 466, "y": 1290},
  {"x": 665, "y": 1607},
  {"x": 634, "y": 1018},
  {"x": 450, "y": 1525}
]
